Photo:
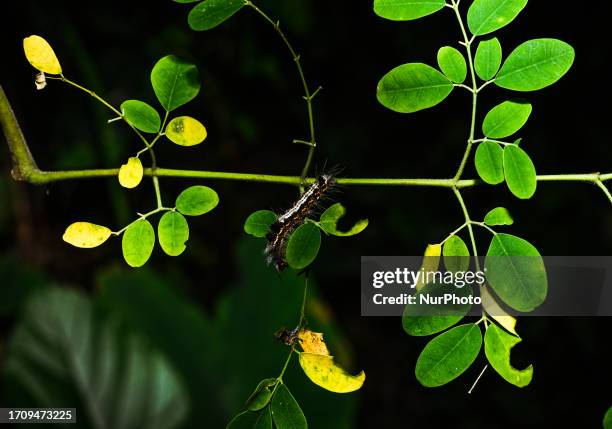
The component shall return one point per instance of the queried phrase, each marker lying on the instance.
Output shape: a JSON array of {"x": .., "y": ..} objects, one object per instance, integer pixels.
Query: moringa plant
[{"x": 499, "y": 157}]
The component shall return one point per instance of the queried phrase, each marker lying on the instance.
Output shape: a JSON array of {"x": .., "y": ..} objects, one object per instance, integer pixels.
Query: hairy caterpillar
[{"x": 296, "y": 215}]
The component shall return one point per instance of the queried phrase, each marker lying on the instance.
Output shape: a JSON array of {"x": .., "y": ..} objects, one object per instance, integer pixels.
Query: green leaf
[
  {"x": 607, "y": 422},
  {"x": 258, "y": 223},
  {"x": 175, "y": 82},
  {"x": 244, "y": 420},
  {"x": 536, "y": 64},
  {"x": 487, "y": 16},
  {"x": 303, "y": 246},
  {"x": 420, "y": 319},
  {"x": 489, "y": 161},
  {"x": 197, "y": 200},
  {"x": 448, "y": 355},
  {"x": 498, "y": 216},
  {"x": 456, "y": 255},
  {"x": 488, "y": 58},
  {"x": 406, "y": 10},
  {"x": 286, "y": 412},
  {"x": 329, "y": 222},
  {"x": 520, "y": 172},
  {"x": 506, "y": 119},
  {"x": 137, "y": 243},
  {"x": 186, "y": 131},
  {"x": 261, "y": 395},
  {"x": 516, "y": 272},
  {"x": 141, "y": 116},
  {"x": 264, "y": 419},
  {"x": 413, "y": 87},
  {"x": 61, "y": 353},
  {"x": 210, "y": 13},
  {"x": 452, "y": 63},
  {"x": 498, "y": 344},
  {"x": 173, "y": 232}
]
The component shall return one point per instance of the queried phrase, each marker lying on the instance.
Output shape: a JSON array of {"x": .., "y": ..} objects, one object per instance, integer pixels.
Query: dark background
[{"x": 250, "y": 103}]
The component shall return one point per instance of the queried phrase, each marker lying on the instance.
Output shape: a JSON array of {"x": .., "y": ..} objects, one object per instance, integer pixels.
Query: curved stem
[{"x": 308, "y": 95}]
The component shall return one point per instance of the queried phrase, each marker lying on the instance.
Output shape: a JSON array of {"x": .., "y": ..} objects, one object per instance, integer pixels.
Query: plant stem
[
  {"x": 468, "y": 47},
  {"x": 468, "y": 221},
  {"x": 308, "y": 95}
]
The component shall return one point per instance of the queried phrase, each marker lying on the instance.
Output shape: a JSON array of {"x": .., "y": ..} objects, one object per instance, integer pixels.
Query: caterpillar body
[{"x": 280, "y": 231}]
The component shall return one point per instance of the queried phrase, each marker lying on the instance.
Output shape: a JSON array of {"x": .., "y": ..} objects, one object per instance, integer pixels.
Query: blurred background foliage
[{"x": 207, "y": 318}]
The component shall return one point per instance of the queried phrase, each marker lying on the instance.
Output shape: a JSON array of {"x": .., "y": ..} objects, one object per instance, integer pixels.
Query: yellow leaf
[
  {"x": 312, "y": 342},
  {"x": 431, "y": 262},
  {"x": 185, "y": 131},
  {"x": 323, "y": 371},
  {"x": 130, "y": 174},
  {"x": 496, "y": 312},
  {"x": 40, "y": 54},
  {"x": 86, "y": 235}
]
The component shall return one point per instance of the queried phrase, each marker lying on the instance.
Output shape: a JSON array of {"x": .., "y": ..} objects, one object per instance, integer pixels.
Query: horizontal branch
[{"x": 25, "y": 168}]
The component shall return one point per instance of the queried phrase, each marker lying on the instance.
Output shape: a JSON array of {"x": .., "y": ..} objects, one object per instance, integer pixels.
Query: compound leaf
[
  {"x": 141, "y": 116},
  {"x": 258, "y": 223},
  {"x": 452, "y": 63},
  {"x": 186, "y": 131},
  {"x": 406, "y": 10},
  {"x": 448, "y": 355},
  {"x": 175, "y": 81},
  {"x": 489, "y": 161},
  {"x": 506, "y": 119},
  {"x": 197, "y": 200},
  {"x": 286, "y": 412},
  {"x": 173, "y": 232},
  {"x": 138, "y": 242},
  {"x": 40, "y": 54},
  {"x": 520, "y": 172},
  {"x": 413, "y": 87},
  {"x": 303, "y": 246},
  {"x": 487, "y": 16},
  {"x": 86, "y": 235},
  {"x": 210, "y": 13},
  {"x": 488, "y": 58},
  {"x": 535, "y": 64},
  {"x": 516, "y": 272}
]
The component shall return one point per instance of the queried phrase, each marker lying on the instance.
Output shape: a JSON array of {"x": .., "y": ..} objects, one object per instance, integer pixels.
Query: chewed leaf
[
  {"x": 130, "y": 173},
  {"x": 498, "y": 344},
  {"x": 431, "y": 262},
  {"x": 499, "y": 216},
  {"x": 312, "y": 342},
  {"x": 323, "y": 371},
  {"x": 40, "y": 54},
  {"x": 86, "y": 235},
  {"x": 173, "y": 232},
  {"x": 258, "y": 223},
  {"x": 329, "y": 222},
  {"x": 186, "y": 131}
]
